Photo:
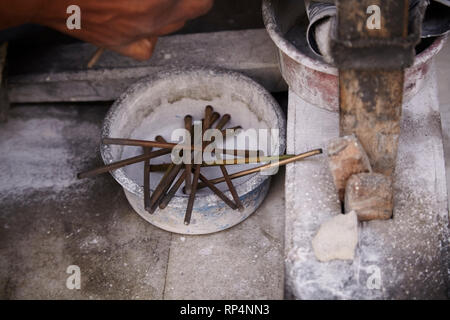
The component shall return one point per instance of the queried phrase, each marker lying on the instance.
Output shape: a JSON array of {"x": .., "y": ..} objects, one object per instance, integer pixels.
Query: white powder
[
  {"x": 170, "y": 116},
  {"x": 36, "y": 150}
]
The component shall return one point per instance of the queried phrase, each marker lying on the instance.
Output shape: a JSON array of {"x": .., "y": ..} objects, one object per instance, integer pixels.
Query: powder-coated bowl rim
[{"x": 171, "y": 75}]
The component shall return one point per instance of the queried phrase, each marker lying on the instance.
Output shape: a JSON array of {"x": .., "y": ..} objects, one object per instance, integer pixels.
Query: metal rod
[
  {"x": 214, "y": 117},
  {"x": 169, "y": 195},
  {"x": 165, "y": 187},
  {"x": 140, "y": 143},
  {"x": 208, "y": 114},
  {"x": 122, "y": 163},
  {"x": 232, "y": 189},
  {"x": 163, "y": 166},
  {"x": 266, "y": 166},
  {"x": 223, "y": 121},
  {"x": 190, "y": 206},
  {"x": 156, "y": 167},
  {"x": 248, "y": 160},
  {"x": 97, "y": 54},
  {"x": 188, "y": 171},
  {"x": 147, "y": 178},
  {"x": 207, "y": 123},
  {"x": 224, "y": 131},
  {"x": 217, "y": 192},
  {"x": 171, "y": 165},
  {"x": 164, "y": 183},
  {"x": 155, "y": 144}
]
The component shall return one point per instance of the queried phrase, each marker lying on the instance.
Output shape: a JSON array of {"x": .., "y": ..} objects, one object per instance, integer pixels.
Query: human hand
[{"x": 129, "y": 27}]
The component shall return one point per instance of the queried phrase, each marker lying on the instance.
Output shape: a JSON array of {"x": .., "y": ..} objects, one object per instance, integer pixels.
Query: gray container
[{"x": 161, "y": 101}]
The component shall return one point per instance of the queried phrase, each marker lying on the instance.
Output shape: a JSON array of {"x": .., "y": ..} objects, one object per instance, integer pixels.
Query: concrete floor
[{"x": 49, "y": 220}]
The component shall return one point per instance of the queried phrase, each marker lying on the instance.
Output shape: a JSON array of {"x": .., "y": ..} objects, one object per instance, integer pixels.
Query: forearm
[{"x": 129, "y": 27}]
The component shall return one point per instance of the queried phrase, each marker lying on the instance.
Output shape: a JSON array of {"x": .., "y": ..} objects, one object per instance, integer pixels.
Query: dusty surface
[
  {"x": 244, "y": 262},
  {"x": 49, "y": 220},
  {"x": 443, "y": 76},
  {"x": 404, "y": 257}
]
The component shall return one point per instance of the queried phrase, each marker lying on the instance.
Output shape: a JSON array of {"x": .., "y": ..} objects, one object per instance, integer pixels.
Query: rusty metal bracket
[{"x": 353, "y": 46}]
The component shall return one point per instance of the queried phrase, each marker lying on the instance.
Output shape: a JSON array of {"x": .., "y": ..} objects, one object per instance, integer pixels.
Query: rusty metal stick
[
  {"x": 249, "y": 160},
  {"x": 223, "y": 121},
  {"x": 169, "y": 195},
  {"x": 190, "y": 206},
  {"x": 208, "y": 114},
  {"x": 214, "y": 117},
  {"x": 232, "y": 189},
  {"x": 188, "y": 173},
  {"x": 171, "y": 174},
  {"x": 98, "y": 53},
  {"x": 217, "y": 192},
  {"x": 139, "y": 143},
  {"x": 245, "y": 153},
  {"x": 197, "y": 167},
  {"x": 171, "y": 165},
  {"x": 155, "y": 144},
  {"x": 147, "y": 178},
  {"x": 122, "y": 163},
  {"x": 219, "y": 126},
  {"x": 163, "y": 166},
  {"x": 224, "y": 131},
  {"x": 164, "y": 183},
  {"x": 266, "y": 166}
]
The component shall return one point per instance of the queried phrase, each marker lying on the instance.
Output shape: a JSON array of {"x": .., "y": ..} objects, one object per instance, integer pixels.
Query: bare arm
[{"x": 130, "y": 27}]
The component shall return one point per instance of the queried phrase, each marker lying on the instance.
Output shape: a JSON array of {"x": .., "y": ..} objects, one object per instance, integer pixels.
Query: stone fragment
[
  {"x": 346, "y": 156},
  {"x": 370, "y": 195},
  {"x": 337, "y": 238}
]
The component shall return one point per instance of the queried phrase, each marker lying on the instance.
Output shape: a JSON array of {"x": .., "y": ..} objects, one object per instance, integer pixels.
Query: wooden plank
[{"x": 60, "y": 73}]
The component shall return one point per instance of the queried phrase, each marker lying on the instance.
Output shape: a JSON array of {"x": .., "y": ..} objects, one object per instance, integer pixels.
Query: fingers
[
  {"x": 130, "y": 28},
  {"x": 143, "y": 49},
  {"x": 139, "y": 50}
]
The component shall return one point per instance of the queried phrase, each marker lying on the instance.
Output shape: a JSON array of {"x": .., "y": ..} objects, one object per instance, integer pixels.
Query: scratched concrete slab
[
  {"x": 408, "y": 254},
  {"x": 244, "y": 262},
  {"x": 50, "y": 220},
  {"x": 443, "y": 76}
]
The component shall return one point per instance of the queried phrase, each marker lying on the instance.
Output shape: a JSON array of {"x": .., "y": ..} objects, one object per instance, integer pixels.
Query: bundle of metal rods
[{"x": 191, "y": 173}]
